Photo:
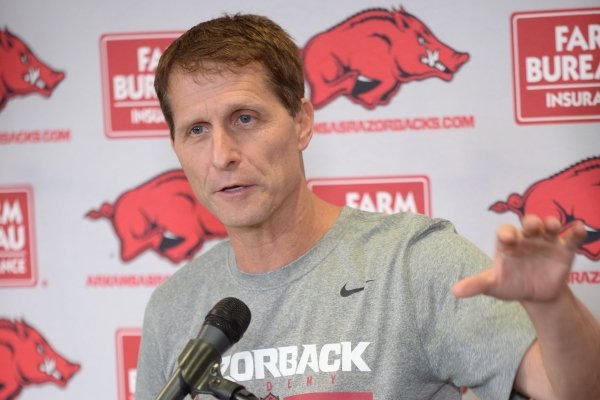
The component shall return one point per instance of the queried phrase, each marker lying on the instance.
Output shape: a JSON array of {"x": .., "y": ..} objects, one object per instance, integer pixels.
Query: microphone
[{"x": 198, "y": 364}]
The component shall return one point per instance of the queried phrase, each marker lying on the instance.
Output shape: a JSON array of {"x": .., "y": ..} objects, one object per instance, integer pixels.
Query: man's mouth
[{"x": 233, "y": 188}]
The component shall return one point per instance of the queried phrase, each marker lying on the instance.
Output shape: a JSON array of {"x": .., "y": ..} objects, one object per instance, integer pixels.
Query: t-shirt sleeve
[{"x": 477, "y": 342}]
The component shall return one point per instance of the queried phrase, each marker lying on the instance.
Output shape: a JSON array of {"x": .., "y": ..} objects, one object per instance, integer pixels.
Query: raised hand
[{"x": 531, "y": 264}]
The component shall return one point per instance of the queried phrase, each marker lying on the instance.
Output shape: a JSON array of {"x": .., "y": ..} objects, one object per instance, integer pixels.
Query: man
[{"x": 348, "y": 304}]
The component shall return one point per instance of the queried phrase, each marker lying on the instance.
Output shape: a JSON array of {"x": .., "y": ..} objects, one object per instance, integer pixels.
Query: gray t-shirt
[{"x": 365, "y": 314}]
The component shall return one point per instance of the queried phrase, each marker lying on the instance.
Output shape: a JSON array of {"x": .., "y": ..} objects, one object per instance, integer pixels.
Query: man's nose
[{"x": 225, "y": 151}]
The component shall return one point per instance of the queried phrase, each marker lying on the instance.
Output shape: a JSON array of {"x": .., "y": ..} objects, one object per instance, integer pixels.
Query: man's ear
[{"x": 305, "y": 119}]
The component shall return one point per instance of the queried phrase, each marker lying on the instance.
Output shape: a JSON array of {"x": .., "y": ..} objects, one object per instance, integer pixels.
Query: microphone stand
[
  {"x": 193, "y": 363},
  {"x": 198, "y": 369},
  {"x": 199, "y": 373},
  {"x": 212, "y": 382}
]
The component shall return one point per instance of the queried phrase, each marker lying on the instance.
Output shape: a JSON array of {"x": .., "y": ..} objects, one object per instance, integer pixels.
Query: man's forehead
[
  {"x": 211, "y": 71},
  {"x": 215, "y": 91}
]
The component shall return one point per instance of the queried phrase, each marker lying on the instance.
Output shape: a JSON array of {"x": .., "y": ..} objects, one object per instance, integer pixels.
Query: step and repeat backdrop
[{"x": 496, "y": 115}]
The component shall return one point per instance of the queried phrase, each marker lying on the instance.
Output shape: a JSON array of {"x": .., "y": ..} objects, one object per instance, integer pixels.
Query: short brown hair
[{"x": 235, "y": 41}]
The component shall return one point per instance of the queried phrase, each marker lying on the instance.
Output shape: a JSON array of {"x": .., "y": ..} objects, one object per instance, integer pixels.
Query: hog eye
[
  {"x": 24, "y": 58},
  {"x": 39, "y": 348},
  {"x": 421, "y": 40}
]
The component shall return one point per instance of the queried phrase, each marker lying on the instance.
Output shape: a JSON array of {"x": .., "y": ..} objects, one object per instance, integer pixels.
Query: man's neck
[{"x": 266, "y": 248}]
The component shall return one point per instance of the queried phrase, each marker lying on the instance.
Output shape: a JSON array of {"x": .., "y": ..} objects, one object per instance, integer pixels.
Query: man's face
[{"x": 239, "y": 147}]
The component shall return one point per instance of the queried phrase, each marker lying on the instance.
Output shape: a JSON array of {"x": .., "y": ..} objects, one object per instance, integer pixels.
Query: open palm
[{"x": 530, "y": 264}]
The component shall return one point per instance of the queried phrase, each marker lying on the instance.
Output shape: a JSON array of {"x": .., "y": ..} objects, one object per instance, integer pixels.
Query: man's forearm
[{"x": 569, "y": 339}]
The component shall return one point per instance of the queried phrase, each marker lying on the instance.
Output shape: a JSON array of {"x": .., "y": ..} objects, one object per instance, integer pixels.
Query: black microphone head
[{"x": 232, "y": 316}]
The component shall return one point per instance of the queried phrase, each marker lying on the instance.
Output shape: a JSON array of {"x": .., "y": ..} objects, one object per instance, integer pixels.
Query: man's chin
[{"x": 240, "y": 220}]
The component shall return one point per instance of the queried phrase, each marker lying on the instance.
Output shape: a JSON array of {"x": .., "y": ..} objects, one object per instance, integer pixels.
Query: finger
[
  {"x": 473, "y": 286},
  {"x": 532, "y": 225},
  {"x": 575, "y": 235},
  {"x": 507, "y": 234},
  {"x": 549, "y": 228},
  {"x": 552, "y": 226}
]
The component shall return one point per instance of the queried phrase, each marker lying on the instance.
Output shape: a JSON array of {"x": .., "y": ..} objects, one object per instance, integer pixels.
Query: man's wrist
[{"x": 563, "y": 302}]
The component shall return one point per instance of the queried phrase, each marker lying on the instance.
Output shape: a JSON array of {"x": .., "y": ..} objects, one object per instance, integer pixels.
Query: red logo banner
[
  {"x": 383, "y": 194},
  {"x": 17, "y": 239},
  {"x": 556, "y": 65},
  {"x": 131, "y": 107}
]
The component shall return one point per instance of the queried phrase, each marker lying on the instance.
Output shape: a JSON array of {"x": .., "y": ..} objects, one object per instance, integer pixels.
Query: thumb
[{"x": 474, "y": 285}]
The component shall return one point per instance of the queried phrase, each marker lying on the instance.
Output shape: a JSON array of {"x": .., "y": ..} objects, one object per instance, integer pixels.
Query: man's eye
[
  {"x": 245, "y": 119},
  {"x": 197, "y": 130}
]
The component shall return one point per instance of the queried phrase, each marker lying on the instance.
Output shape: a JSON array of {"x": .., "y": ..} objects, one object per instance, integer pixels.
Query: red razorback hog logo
[
  {"x": 28, "y": 359},
  {"x": 370, "y": 55},
  {"x": 570, "y": 195},
  {"x": 162, "y": 215},
  {"x": 21, "y": 73}
]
